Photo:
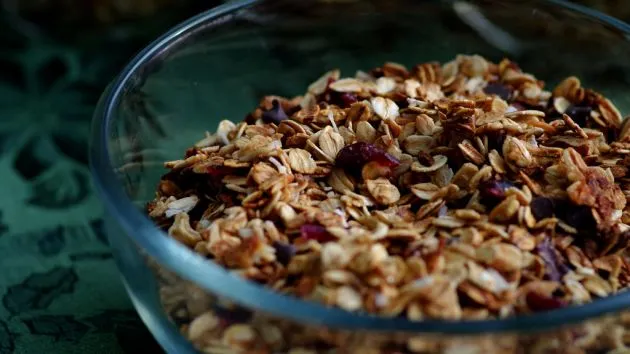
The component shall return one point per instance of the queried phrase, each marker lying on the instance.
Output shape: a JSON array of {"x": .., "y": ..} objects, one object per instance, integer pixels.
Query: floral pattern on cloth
[{"x": 60, "y": 290}]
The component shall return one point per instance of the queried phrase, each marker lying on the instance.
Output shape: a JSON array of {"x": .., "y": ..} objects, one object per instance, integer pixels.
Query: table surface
[{"x": 60, "y": 291}]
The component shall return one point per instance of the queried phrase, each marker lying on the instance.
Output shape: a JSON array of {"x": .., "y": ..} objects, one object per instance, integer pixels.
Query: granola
[{"x": 457, "y": 191}]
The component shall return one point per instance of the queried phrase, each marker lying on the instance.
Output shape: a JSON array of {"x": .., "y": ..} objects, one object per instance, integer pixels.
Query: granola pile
[{"x": 456, "y": 191}]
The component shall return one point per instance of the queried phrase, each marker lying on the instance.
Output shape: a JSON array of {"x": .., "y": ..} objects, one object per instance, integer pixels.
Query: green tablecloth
[{"x": 60, "y": 290}]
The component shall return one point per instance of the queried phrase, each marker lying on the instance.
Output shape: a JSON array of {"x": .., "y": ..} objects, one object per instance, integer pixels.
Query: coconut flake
[{"x": 182, "y": 205}]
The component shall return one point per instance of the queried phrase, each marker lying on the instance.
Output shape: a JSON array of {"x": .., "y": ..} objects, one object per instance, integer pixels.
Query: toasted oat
[
  {"x": 383, "y": 191},
  {"x": 301, "y": 161},
  {"x": 384, "y": 107},
  {"x": 426, "y": 192}
]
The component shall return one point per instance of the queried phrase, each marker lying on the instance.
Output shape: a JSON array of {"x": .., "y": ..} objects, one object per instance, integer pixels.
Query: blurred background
[{"x": 60, "y": 292}]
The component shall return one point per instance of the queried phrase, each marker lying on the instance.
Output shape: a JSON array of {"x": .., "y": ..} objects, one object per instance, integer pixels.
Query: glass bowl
[{"x": 218, "y": 64}]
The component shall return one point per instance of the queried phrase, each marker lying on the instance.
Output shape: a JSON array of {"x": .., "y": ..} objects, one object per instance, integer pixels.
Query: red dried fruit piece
[
  {"x": 275, "y": 115},
  {"x": 218, "y": 171},
  {"x": 316, "y": 232},
  {"x": 492, "y": 192},
  {"x": 539, "y": 303},
  {"x": 347, "y": 99},
  {"x": 342, "y": 99},
  {"x": 425, "y": 158},
  {"x": 354, "y": 156},
  {"x": 192, "y": 151}
]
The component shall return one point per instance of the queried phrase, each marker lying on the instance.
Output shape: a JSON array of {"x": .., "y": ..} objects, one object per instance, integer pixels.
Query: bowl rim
[{"x": 217, "y": 280}]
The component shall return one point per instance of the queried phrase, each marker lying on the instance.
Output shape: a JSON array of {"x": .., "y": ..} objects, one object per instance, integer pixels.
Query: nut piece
[
  {"x": 183, "y": 232},
  {"x": 471, "y": 154}
]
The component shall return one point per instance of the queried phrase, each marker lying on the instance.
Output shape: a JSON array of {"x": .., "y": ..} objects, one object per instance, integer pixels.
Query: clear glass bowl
[{"x": 218, "y": 64}]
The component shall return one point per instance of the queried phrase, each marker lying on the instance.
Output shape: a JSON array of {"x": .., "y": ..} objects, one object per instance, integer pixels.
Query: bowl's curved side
[{"x": 213, "y": 278}]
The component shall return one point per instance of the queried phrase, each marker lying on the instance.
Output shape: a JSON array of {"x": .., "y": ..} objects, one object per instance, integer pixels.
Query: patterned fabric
[{"x": 60, "y": 290}]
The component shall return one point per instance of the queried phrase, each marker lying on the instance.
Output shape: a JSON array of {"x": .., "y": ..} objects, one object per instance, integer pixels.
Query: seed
[
  {"x": 342, "y": 99},
  {"x": 354, "y": 156}
]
